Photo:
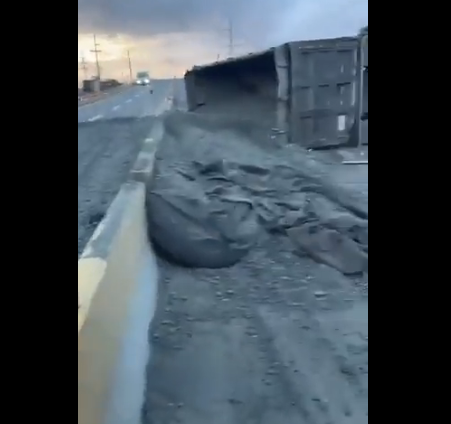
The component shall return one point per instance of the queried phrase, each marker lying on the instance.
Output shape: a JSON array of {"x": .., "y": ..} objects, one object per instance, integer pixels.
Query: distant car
[{"x": 142, "y": 78}]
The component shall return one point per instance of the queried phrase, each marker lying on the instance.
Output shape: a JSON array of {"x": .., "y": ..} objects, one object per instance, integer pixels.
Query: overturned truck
[{"x": 313, "y": 91}]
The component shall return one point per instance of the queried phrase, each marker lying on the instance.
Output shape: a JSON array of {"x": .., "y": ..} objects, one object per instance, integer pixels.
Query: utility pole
[
  {"x": 130, "y": 66},
  {"x": 84, "y": 67},
  {"x": 231, "y": 38},
  {"x": 96, "y": 51}
]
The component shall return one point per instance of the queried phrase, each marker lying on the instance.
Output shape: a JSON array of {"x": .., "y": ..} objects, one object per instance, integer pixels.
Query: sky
[{"x": 167, "y": 37}]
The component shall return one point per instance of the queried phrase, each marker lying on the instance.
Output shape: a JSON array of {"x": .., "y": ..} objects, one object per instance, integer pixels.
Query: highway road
[
  {"x": 110, "y": 134},
  {"x": 135, "y": 102}
]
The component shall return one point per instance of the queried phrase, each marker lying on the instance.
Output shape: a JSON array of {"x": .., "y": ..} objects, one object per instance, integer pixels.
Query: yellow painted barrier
[
  {"x": 117, "y": 293},
  {"x": 117, "y": 282}
]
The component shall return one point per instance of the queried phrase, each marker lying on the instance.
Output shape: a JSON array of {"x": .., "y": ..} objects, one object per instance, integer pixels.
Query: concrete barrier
[
  {"x": 117, "y": 292},
  {"x": 117, "y": 284},
  {"x": 143, "y": 169}
]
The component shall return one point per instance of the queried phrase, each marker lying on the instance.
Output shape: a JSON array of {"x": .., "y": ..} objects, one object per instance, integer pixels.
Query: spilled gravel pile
[
  {"x": 217, "y": 191},
  {"x": 262, "y": 259}
]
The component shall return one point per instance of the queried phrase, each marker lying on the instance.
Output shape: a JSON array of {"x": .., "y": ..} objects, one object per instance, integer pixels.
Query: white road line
[
  {"x": 164, "y": 106},
  {"x": 95, "y": 118},
  {"x": 116, "y": 107},
  {"x": 157, "y": 111},
  {"x": 128, "y": 101}
]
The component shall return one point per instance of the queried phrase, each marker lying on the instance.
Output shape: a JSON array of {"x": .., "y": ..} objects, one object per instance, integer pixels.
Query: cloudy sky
[{"x": 169, "y": 36}]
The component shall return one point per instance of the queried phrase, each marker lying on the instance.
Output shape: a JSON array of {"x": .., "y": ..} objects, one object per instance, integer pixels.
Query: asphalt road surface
[
  {"x": 110, "y": 134},
  {"x": 134, "y": 102}
]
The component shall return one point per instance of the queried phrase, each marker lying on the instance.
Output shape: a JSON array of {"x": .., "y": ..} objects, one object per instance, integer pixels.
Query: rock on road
[{"x": 110, "y": 134}]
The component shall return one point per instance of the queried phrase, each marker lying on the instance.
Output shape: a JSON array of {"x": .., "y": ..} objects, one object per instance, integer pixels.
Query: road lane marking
[
  {"x": 163, "y": 106},
  {"x": 128, "y": 101},
  {"x": 116, "y": 107},
  {"x": 95, "y": 118}
]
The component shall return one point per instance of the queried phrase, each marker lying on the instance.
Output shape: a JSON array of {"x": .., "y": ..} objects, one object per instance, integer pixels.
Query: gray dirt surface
[
  {"x": 106, "y": 153},
  {"x": 206, "y": 200},
  {"x": 278, "y": 338}
]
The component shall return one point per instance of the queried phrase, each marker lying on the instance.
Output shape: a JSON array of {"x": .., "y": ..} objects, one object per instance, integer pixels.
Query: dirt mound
[{"x": 221, "y": 185}]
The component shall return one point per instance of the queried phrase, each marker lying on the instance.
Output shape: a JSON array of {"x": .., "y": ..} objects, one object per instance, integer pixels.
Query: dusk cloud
[
  {"x": 170, "y": 36},
  {"x": 259, "y": 22}
]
